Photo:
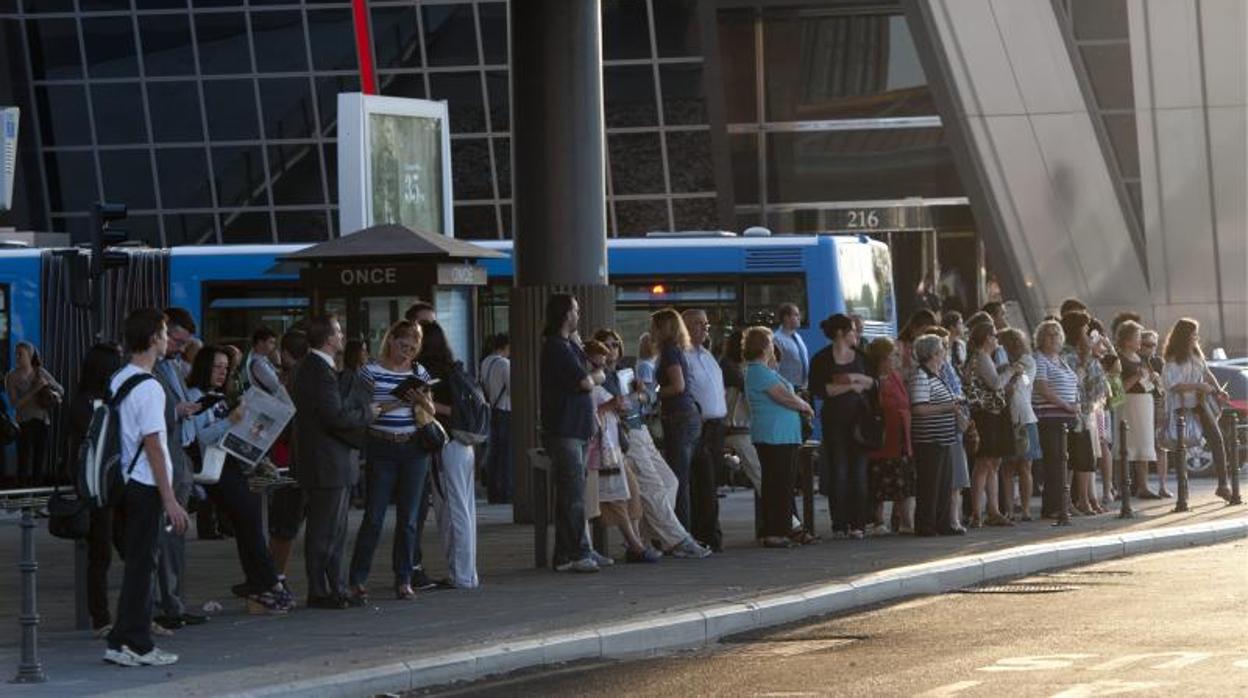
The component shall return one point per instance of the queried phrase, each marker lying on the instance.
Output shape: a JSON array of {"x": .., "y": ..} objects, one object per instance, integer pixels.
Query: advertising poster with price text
[{"x": 406, "y": 171}]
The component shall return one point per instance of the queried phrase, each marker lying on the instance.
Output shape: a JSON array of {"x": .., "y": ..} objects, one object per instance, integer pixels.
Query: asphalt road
[{"x": 1160, "y": 625}]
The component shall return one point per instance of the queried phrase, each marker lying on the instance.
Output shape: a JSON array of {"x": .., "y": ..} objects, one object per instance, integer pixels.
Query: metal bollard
[
  {"x": 1239, "y": 442},
  {"x": 1180, "y": 504},
  {"x": 1124, "y": 480},
  {"x": 540, "y": 467},
  {"x": 29, "y": 669},
  {"x": 1063, "y": 514}
]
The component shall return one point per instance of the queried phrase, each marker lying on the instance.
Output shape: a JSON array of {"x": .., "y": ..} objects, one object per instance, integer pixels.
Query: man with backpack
[
  {"x": 148, "y": 498},
  {"x": 496, "y": 383}
]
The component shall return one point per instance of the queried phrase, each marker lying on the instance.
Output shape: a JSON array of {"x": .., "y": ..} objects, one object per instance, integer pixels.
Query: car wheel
[{"x": 1199, "y": 461}]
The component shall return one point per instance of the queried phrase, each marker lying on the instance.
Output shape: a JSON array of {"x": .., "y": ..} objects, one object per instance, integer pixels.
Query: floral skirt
[{"x": 892, "y": 478}]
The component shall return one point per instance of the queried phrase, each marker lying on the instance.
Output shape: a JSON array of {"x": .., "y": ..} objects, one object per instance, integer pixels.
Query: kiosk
[{"x": 369, "y": 279}]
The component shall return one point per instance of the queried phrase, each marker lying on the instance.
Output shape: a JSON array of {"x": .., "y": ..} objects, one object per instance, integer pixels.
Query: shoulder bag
[{"x": 69, "y": 515}]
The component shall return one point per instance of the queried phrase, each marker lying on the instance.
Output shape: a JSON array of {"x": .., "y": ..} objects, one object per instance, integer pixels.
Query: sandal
[{"x": 996, "y": 520}]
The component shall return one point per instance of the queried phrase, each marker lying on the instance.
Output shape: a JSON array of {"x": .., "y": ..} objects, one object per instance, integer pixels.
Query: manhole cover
[
  {"x": 1091, "y": 573},
  {"x": 786, "y": 648},
  {"x": 1019, "y": 589}
]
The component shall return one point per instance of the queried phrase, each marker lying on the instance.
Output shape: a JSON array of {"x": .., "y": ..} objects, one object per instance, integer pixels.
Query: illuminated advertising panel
[{"x": 394, "y": 163}]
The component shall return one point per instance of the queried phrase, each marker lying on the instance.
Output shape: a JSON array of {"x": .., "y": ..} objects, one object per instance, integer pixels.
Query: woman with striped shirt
[
  {"x": 1055, "y": 398},
  {"x": 933, "y": 432},
  {"x": 397, "y": 465}
]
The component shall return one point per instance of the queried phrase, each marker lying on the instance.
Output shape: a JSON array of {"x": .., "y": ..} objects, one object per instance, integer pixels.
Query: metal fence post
[
  {"x": 1124, "y": 480},
  {"x": 1063, "y": 514},
  {"x": 29, "y": 668},
  {"x": 1180, "y": 504},
  {"x": 1238, "y": 443},
  {"x": 539, "y": 466}
]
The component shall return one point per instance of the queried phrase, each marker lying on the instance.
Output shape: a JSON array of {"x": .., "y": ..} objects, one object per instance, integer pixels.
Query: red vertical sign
[{"x": 364, "y": 48}]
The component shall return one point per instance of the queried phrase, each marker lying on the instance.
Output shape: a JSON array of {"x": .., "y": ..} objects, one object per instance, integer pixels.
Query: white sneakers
[
  {"x": 584, "y": 565},
  {"x": 128, "y": 657},
  {"x": 690, "y": 549}
]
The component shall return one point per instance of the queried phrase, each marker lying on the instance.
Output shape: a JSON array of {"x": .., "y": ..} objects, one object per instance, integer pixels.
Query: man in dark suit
[{"x": 325, "y": 469}]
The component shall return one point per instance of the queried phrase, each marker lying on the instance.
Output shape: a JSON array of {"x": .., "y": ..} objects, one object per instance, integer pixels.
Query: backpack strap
[
  {"x": 123, "y": 391},
  {"x": 486, "y": 381}
]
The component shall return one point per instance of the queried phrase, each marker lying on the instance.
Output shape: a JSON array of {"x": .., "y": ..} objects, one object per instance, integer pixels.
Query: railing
[{"x": 29, "y": 668}]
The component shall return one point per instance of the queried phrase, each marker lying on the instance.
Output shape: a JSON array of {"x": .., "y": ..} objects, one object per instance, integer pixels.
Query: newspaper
[{"x": 264, "y": 418}]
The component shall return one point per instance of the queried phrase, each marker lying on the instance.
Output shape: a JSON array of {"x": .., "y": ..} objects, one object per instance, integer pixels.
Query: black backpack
[
  {"x": 99, "y": 455},
  {"x": 470, "y": 413}
]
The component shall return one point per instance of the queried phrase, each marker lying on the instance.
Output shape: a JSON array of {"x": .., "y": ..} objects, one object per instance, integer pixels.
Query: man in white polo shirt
[
  {"x": 148, "y": 497},
  {"x": 706, "y": 383}
]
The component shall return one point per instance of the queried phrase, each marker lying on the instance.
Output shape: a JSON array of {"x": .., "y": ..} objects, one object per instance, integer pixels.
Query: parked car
[{"x": 1232, "y": 373}]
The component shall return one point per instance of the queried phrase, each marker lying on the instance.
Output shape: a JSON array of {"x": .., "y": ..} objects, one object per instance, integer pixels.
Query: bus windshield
[{"x": 866, "y": 280}]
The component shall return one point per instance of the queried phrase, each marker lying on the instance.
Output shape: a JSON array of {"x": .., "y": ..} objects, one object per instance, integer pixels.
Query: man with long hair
[{"x": 567, "y": 424}]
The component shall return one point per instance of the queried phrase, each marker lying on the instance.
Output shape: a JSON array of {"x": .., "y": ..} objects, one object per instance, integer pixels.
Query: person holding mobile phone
[{"x": 231, "y": 494}]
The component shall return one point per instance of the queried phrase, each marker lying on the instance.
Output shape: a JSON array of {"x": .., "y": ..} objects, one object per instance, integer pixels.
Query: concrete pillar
[{"x": 560, "y": 193}]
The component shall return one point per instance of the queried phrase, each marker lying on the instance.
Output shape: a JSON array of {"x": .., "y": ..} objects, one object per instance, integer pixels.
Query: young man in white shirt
[{"x": 148, "y": 496}]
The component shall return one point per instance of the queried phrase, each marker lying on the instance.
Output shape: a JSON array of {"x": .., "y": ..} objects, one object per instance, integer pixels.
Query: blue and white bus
[{"x": 232, "y": 289}]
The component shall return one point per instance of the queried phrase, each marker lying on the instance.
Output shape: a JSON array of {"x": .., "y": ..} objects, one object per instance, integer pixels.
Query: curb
[{"x": 704, "y": 626}]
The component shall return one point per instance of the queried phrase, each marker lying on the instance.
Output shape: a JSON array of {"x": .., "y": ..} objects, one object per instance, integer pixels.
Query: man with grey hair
[{"x": 706, "y": 383}]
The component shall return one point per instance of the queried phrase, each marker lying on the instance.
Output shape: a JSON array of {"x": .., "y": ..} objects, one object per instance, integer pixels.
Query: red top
[{"x": 895, "y": 402}]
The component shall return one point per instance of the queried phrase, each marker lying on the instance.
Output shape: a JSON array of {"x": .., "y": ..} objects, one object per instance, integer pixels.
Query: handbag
[
  {"x": 211, "y": 465},
  {"x": 868, "y": 429},
  {"x": 970, "y": 439},
  {"x": 431, "y": 437},
  {"x": 9, "y": 430},
  {"x": 981, "y": 397},
  {"x": 47, "y": 398},
  {"x": 738, "y": 418},
  {"x": 69, "y": 515}
]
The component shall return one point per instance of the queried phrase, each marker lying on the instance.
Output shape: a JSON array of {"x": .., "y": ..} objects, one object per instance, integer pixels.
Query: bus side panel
[
  {"x": 187, "y": 274},
  {"x": 823, "y": 290},
  {"x": 650, "y": 262},
  {"x": 22, "y": 274}
]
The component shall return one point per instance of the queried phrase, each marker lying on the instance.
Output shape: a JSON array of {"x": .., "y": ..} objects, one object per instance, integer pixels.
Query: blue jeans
[
  {"x": 498, "y": 471},
  {"x": 680, "y": 442},
  {"x": 567, "y": 460},
  {"x": 845, "y": 467},
  {"x": 393, "y": 470}
]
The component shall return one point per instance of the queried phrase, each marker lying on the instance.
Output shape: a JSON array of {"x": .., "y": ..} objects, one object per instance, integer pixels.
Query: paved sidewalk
[{"x": 236, "y": 652}]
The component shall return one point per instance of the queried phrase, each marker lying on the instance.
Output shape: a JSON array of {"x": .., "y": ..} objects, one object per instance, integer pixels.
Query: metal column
[{"x": 560, "y": 193}]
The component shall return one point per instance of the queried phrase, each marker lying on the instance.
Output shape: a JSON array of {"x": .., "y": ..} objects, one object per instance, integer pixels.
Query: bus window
[
  {"x": 454, "y": 306},
  {"x": 866, "y": 280},
  {"x": 636, "y": 300},
  {"x": 4, "y": 329},
  {"x": 232, "y": 312},
  {"x": 764, "y": 296},
  {"x": 494, "y": 310}
]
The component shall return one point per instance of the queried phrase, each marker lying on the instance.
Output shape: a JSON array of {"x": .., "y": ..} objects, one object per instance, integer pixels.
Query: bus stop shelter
[{"x": 369, "y": 278}]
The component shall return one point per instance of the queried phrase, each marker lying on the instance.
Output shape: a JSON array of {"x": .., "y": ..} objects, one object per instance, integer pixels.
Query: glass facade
[
  {"x": 1102, "y": 38},
  {"x": 827, "y": 104},
  {"x": 215, "y": 120}
]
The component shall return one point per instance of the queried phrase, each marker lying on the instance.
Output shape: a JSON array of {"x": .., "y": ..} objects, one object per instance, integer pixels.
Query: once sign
[{"x": 368, "y": 276}]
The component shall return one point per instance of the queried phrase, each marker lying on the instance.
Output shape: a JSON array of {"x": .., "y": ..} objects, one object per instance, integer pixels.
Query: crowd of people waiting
[{"x": 948, "y": 406}]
